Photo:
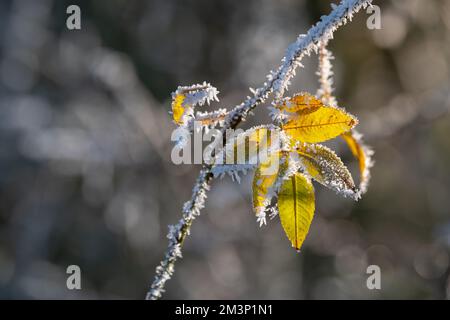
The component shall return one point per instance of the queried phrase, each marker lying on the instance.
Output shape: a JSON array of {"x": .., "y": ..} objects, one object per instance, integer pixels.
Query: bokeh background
[{"x": 85, "y": 170}]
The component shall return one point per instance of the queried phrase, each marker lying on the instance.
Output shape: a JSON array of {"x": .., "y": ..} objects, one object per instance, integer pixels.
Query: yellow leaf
[
  {"x": 324, "y": 166},
  {"x": 356, "y": 150},
  {"x": 312, "y": 121},
  {"x": 296, "y": 208},
  {"x": 264, "y": 180},
  {"x": 249, "y": 147},
  {"x": 184, "y": 99},
  {"x": 362, "y": 153},
  {"x": 178, "y": 108},
  {"x": 302, "y": 103}
]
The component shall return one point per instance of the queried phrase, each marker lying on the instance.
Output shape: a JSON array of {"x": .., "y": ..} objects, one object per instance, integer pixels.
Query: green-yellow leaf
[
  {"x": 296, "y": 208},
  {"x": 324, "y": 166},
  {"x": 309, "y": 120}
]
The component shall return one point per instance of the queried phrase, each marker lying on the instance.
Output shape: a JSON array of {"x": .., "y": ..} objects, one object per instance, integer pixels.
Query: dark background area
[{"x": 86, "y": 176}]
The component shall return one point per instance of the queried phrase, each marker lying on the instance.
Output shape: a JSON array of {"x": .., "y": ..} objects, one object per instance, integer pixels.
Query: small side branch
[
  {"x": 325, "y": 73},
  {"x": 353, "y": 138}
]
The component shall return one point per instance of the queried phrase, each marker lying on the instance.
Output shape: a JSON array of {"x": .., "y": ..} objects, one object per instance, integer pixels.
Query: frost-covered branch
[
  {"x": 277, "y": 83},
  {"x": 177, "y": 234},
  {"x": 322, "y": 32}
]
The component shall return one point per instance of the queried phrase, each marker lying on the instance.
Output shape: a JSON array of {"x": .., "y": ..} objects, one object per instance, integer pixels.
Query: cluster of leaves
[
  {"x": 282, "y": 180},
  {"x": 307, "y": 121}
]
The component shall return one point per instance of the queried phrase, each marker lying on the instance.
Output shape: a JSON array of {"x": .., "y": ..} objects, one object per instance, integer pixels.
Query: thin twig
[{"x": 277, "y": 82}]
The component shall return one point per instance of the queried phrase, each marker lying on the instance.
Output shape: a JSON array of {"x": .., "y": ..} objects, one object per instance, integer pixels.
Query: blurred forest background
[{"x": 85, "y": 170}]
